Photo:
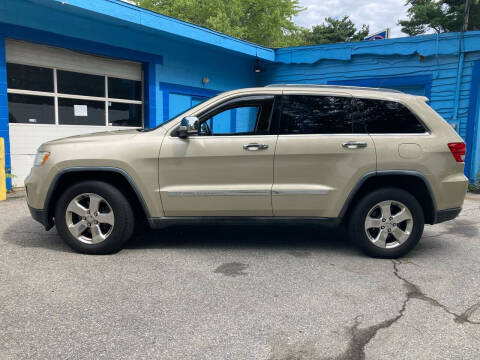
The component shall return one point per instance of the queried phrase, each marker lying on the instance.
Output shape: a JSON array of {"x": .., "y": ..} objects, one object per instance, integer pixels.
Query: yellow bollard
[{"x": 3, "y": 176}]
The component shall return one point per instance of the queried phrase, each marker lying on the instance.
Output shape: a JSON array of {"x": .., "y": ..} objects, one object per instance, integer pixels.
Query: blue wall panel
[
  {"x": 473, "y": 125},
  {"x": 4, "y": 132},
  {"x": 415, "y": 85}
]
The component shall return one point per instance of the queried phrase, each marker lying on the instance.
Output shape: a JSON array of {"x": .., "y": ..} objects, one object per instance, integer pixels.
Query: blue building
[{"x": 77, "y": 66}]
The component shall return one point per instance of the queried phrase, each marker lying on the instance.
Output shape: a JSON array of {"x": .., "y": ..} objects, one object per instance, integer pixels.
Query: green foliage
[
  {"x": 475, "y": 187},
  {"x": 265, "y": 22},
  {"x": 439, "y": 15},
  {"x": 8, "y": 174},
  {"x": 334, "y": 31}
]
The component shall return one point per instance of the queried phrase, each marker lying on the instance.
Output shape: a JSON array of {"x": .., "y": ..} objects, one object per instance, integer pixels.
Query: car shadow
[
  {"x": 298, "y": 240},
  {"x": 25, "y": 232},
  {"x": 294, "y": 237}
]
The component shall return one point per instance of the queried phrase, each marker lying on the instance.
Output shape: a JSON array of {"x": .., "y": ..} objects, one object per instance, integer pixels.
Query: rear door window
[
  {"x": 389, "y": 117},
  {"x": 313, "y": 114}
]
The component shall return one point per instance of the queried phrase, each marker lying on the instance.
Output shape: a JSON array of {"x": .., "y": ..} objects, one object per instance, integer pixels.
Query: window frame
[{"x": 56, "y": 95}]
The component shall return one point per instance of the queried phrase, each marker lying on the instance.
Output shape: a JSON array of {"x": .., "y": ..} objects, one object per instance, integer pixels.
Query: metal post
[{"x": 3, "y": 176}]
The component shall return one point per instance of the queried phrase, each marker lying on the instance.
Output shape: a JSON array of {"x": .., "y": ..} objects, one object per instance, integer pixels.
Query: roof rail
[{"x": 341, "y": 87}]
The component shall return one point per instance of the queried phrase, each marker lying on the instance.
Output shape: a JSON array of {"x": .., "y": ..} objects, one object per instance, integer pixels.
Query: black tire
[
  {"x": 123, "y": 217},
  {"x": 356, "y": 223}
]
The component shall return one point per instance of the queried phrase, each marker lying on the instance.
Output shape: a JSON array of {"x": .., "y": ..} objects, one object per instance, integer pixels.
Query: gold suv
[{"x": 379, "y": 161}]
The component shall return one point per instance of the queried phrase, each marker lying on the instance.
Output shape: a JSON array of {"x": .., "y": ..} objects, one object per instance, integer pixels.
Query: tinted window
[
  {"x": 29, "y": 78},
  {"x": 31, "y": 109},
  {"x": 120, "y": 114},
  {"x": 81, "y": 112},
  {"x": 308, "y": 114},
  {"x": 124, "y": 89},
  {"x": 388, "y": 117},
  {"x": 69, "y": 82}
]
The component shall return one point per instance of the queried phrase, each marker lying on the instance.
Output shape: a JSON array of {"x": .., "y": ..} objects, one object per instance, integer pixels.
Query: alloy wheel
[
  {"x": 388, "y": 224},
  {"x": 90, "y": 218}
]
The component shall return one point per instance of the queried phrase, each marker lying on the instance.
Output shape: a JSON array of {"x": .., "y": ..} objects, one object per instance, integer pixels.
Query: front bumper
[
  {"x": 41, "y": 215},
  {"x": 447, "y": 214}
]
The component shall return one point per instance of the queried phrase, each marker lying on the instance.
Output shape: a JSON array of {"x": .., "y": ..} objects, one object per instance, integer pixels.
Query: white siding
[{"x": 26, "y": 53}]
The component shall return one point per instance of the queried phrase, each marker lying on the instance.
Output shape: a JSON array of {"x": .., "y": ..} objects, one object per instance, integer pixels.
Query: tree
[
  {"x": 440, "y": 16},
  {"x": 265, "y": 22},
  {"x": 334, "y": 31}
]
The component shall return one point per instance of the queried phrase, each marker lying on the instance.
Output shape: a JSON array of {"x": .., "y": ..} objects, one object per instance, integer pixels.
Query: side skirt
[{"x": 163, "y": 222}]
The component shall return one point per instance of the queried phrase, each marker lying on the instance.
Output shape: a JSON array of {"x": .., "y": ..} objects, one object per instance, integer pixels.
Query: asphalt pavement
[{"x": 278, "y": 293}]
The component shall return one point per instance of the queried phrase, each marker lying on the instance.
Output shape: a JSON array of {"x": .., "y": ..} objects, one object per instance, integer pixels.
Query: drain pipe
[
  {"x": 459, "y": 81},
  {"x": 461, "y": 59}
]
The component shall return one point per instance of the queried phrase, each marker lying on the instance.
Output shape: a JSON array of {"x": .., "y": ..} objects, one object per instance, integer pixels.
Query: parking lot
[{"x": 239, "y": 293}]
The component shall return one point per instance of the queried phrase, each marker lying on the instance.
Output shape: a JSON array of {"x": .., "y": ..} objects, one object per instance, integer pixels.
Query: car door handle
[
  {"x": 354, "y": 145},
  {"x": 255, "y": 146}
]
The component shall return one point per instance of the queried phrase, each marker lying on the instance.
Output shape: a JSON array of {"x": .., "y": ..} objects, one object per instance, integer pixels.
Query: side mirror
[{"x": 188, "y": 126}]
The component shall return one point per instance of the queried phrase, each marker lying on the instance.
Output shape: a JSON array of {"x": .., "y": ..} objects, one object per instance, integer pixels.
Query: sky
[{"x": 378, "y": 14}]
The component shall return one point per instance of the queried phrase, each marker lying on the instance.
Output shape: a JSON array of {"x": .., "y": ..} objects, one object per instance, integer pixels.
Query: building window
[
  {"x": 31, "y": 109},
  {"x": 32, "y": 78},
  {"x": 121, "y": 114},
  {"x": 81, "y": 112},
  {"x": 124, "y": 89},
  {"x": 75, "y": 83},
  {"x": 39, "y": 95}
]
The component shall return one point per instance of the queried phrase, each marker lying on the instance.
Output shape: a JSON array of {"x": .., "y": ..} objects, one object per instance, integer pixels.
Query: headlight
[{"x": 41, "y": 158}]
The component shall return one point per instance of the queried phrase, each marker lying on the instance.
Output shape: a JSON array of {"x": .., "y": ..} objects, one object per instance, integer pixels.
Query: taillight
[{"x": 458, "y": 150}]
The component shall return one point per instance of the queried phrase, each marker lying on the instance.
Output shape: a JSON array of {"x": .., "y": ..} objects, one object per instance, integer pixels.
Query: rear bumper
[
  {"x": 41, "y": 215},
  {"x": 447, "y": 214}
]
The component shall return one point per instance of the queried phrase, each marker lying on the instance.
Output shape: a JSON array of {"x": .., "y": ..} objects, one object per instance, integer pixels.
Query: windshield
[{"x": 177, "y": 115}]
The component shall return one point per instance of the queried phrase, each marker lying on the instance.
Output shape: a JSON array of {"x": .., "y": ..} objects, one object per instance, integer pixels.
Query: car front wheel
[
  {"x": 94, "y": 217},
  {"x": 387, "y": 223}
]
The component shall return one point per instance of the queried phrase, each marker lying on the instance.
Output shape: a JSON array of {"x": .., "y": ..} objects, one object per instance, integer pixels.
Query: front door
[
  {"x": 322, "y": 153},
  {"x": 225, "y": 170}
]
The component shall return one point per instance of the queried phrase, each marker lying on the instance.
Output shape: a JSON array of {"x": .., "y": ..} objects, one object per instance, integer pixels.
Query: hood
[{"x": 100, "y": 137}]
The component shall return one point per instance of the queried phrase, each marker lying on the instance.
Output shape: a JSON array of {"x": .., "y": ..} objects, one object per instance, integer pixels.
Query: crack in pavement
[
  {"x": 359, "y": 338},
  {"x": 414, "y": 292}
]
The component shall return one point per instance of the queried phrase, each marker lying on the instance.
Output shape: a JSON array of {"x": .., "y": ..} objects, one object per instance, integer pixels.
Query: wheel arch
[
  {"x": 111, "y": 175},
  {"x": 412, "y": 181}
]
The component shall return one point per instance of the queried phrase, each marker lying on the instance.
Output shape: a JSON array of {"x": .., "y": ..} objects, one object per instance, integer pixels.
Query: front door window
[{"x": 245, "y": 116}]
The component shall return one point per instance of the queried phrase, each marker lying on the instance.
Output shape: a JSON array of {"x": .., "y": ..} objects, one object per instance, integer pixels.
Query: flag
[{"x": 381, "y": 35}]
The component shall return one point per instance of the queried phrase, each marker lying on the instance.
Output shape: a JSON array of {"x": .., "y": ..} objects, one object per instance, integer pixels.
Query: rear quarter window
[{"x": 389, "y": 117}]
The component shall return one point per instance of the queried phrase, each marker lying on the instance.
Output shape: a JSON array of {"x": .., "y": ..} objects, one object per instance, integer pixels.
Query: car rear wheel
[
  {"x": 386, "y": 223},
  {"x": 94, "y": 217}
]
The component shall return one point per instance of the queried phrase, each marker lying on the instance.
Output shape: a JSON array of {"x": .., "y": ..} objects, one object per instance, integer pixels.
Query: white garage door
[{"x": 53, "y": 93}]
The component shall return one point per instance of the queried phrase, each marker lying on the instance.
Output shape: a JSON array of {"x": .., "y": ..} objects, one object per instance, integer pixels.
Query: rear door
[{"x": 322, "y": 152}]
